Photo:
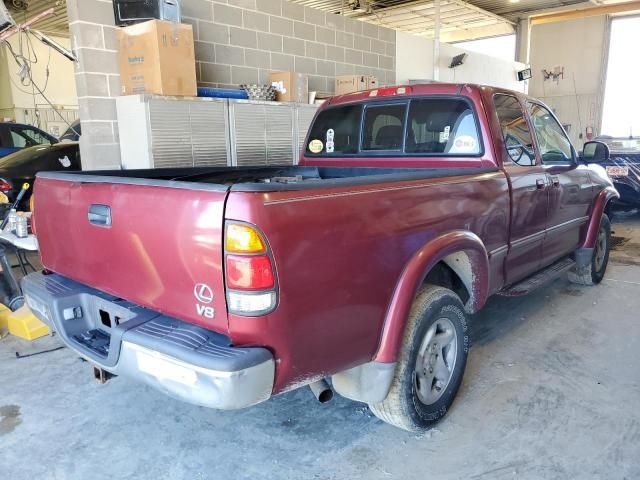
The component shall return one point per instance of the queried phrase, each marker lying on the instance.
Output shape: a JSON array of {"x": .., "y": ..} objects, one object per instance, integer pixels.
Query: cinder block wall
[
  {"x": 92, "y": 30},
  {"x": 241, "y": 41},
  {"x": 236, "y": 41}
]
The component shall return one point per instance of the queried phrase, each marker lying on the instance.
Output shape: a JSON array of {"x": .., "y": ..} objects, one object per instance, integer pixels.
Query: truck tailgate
[{"x": 162, "y": 250}]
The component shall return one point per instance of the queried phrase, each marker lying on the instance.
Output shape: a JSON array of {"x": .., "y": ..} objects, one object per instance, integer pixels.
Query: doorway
[{"x": 621, "y": 101}]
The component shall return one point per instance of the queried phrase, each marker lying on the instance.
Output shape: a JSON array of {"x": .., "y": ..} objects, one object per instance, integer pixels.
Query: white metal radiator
[{"x": 157, "y": 132}]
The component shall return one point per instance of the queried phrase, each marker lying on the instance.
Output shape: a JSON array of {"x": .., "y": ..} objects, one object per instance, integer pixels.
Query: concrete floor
[{"x": 552, "y": 390}]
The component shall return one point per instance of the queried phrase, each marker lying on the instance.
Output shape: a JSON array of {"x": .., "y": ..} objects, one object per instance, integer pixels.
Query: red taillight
[
  {"x": 249, "y": 273},
  {"x": 5, "y": 186}
]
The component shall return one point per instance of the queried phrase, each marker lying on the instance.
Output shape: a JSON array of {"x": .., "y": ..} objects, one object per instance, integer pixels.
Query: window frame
[
  {"x": 527, "y": 118},
  {"x": 574, "y": 154},
  {"x": 407, "y": 101}
]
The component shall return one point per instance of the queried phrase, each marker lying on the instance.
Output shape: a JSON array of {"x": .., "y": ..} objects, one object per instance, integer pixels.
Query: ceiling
[
  {"x": 56, "y": 24},
  {"x": 459, "y": 19}
]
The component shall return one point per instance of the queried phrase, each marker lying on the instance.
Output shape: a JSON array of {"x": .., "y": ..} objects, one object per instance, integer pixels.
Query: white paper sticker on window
[
  {"x": 445, "y": 134},
  {"x": 65, "y": 162},
  {"x": 330, "y": 144}
]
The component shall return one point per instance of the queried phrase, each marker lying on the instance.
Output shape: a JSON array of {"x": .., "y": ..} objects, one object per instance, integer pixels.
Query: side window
[
  {"x": 18, "y": 140},
  {"x": 37, "y": 136},
  {"x": 28, "y": 137},
  {"x": 553, "y": 143},
  {"x": 336, "y": 131},
  {"x": 383, "y": 127},
  {"x": 442, "y": 126},
  {"x": 515, "y": 130}
]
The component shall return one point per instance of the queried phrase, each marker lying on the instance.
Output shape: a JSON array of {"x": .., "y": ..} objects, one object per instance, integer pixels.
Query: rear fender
[
  {"x": 461, "y": 250},
  {"x": 599, "y": 204}
]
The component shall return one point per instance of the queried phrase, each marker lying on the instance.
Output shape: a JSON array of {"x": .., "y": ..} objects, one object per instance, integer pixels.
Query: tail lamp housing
[
  {"x": 5, "y": 186},
  {"x": 250, "y": 279}
]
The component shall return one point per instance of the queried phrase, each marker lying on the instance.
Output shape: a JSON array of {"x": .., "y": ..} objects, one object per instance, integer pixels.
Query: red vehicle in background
[{"x": 410, "y": 207}]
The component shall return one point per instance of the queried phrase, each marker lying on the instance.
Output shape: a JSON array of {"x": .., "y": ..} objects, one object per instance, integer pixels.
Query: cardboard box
[
  {"x": 157, "y": 57},
  {"x": 354, "y": 83},
  {"x": 290, "y": 86}
]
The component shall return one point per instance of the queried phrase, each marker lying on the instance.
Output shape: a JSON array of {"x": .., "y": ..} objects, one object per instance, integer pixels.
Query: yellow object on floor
[
  {"x": 4, "y": 319},
  {"x": 24, "y": 324}
]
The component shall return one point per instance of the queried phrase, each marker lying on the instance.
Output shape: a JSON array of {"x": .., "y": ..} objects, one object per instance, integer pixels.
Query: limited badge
[{"x": 316, "y": 146}]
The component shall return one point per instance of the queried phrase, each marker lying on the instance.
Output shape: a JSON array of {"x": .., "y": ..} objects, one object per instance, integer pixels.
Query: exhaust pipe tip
[
  {"x": 101, "y": 376},
  {"x": 321, "y": 390}
]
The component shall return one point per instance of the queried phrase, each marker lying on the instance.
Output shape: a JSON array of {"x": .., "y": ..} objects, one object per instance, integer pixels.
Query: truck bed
[{"x": 262, "y": 179}]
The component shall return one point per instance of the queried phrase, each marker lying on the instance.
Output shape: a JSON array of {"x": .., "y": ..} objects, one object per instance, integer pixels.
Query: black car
[
  {"x": 16, "y": 136},
  {"x": 22, "y": 166},
  {"x": 623, "y": 167}
]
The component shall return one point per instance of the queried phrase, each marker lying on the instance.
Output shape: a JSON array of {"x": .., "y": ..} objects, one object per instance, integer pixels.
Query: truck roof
[{"x": 420, "y": 89}]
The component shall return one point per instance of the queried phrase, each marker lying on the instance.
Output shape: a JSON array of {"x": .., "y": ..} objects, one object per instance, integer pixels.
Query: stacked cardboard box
[
  {"x": 290, "y": 87},
  {"x": 157, "y": 57},
  {"x": 355, "y": 83}
]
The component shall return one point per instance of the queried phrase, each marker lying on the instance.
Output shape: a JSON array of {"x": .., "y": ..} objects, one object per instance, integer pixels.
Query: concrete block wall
[
  {"x": 91, "y": 25},
  {"x": 242, "y": 41},
  {"x": 236, "y": 41}
]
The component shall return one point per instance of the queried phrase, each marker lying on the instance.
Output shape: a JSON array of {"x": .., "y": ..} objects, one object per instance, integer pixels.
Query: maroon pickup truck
[{"x": 409, "y": 208}]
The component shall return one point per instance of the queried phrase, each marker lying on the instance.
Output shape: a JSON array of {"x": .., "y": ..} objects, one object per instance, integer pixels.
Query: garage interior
[{"x": 552, "y": 383}]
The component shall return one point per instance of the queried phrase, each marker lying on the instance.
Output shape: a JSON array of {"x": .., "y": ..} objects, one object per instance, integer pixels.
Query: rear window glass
[
  {"x": 383, "y": 127},
  {"x": 336, "y": 131},
  {"x": 442, "y": 127},
  {"x": 431, "y": 127}
]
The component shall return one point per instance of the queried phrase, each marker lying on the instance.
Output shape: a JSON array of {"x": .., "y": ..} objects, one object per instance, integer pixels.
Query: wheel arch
[
  {"x": 599, "y": 205},
  {"x": 460, "y": 251}
]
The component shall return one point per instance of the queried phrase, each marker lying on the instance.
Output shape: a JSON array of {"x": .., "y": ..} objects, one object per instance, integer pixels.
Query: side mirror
[{"x": 595, "y": 152}]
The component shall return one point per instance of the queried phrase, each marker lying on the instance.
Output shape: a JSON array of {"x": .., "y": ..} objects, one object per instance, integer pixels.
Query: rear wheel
[
  {"x": 431, "y": 362},
  {"x": 593, "y": 273}
]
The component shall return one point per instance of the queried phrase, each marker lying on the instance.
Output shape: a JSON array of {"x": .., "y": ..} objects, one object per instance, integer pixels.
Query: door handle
[
  {"x": 540, "y": 184},
  {"x": 555, "y": 181},
  {"x": 100, "y": 215}
]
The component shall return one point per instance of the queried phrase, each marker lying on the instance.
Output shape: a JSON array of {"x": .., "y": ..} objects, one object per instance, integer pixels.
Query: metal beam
[
  {"x": 475, "y": 33},
  {"x": 436, "y": 43},
  {"x": 585, "y": 12}
]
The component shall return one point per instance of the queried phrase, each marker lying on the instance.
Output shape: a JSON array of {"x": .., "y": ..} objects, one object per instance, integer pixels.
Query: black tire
[
  {"x": 593, "y": 273},
  {"x": 403, "y": 406}
]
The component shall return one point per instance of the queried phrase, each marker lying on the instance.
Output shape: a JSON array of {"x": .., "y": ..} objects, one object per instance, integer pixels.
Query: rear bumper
[{"x": 182, "y": 360}]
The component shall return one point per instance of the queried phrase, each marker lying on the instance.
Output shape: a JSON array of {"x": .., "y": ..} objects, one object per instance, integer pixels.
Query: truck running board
[{"x": 538, "y": 280}]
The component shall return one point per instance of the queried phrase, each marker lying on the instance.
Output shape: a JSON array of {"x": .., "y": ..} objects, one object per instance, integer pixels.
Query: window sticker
[
  {"x": 65, "y": 162},
  {"x": 445, "y": 134},
  {"x": 465, "y": 143},
  {"x": 330, "y": 144},
  {"x": 316, "y": 146}
]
